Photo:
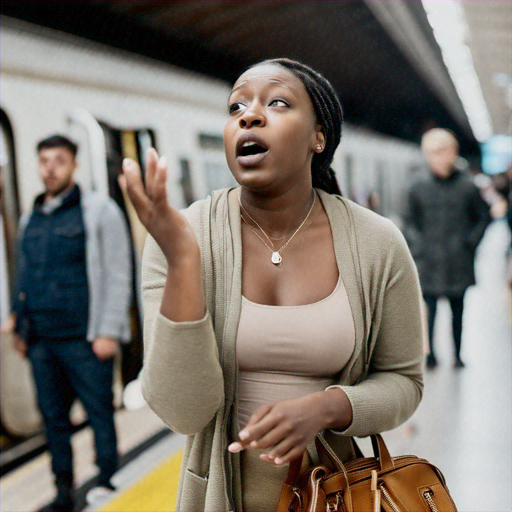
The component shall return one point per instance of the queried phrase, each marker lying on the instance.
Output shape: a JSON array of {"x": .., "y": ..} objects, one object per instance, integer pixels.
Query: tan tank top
[
  {"x": 286, "y": 352},
  {"x": 290, "y": 351}
]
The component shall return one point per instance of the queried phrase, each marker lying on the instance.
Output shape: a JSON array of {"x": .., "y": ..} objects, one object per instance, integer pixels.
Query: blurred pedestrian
[
  {"x": 71, "y": 309},
  {"x": 444, "y": 222}
]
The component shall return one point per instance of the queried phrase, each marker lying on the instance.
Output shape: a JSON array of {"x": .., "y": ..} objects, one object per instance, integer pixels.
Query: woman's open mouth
[{"x": 250, "y": 150}]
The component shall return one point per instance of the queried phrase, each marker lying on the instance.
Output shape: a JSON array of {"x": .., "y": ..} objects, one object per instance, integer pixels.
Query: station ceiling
[{"x": 381, "y": 57}]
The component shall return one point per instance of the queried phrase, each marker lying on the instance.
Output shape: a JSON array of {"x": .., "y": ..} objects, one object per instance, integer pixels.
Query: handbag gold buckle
[{"x": 332, "y": 506}]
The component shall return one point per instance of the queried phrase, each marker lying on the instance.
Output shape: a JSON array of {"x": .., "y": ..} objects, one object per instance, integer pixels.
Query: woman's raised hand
[{"x": 164, "y": 223}]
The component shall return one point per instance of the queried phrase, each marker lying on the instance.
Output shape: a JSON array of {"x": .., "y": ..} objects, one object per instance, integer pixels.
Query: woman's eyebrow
[
  {"x": 239, "y": 86},
  {"x": 281, "y": 83},
  {"x": 272, "y": 81}
]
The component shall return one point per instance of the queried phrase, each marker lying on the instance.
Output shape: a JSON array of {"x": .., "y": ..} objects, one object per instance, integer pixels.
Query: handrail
[{"x": 97, "y": 147}]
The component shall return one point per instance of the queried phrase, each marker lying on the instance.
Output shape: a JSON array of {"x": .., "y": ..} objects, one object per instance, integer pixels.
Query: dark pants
[
  {"x": 62, "y": 371},
  {"x": 457, "y": 306}
]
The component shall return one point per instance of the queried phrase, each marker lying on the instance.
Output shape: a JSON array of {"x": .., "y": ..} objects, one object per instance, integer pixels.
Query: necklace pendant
[{"x": 276, "y": 258}]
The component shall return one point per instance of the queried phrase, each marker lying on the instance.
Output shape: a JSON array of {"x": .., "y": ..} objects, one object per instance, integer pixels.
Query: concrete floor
[{"x": 463, "y": 424}]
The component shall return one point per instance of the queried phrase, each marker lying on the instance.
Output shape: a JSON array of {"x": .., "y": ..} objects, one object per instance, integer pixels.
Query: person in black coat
[{"x": 445, "y": 220}]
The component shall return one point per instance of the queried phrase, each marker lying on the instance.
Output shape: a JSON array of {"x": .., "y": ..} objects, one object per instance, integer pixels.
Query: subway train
[{"x": 116, "y": 104}]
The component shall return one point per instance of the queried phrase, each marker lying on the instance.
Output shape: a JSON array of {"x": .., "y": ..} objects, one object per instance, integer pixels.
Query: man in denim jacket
[{"x": 71, "y": 309}]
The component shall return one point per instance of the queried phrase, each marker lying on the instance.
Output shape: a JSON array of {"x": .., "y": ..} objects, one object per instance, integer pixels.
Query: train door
[
  {"x": 104, "y": 148},
  {"x": 120, "y": 144},
  {"x": 19, "y": 415}
]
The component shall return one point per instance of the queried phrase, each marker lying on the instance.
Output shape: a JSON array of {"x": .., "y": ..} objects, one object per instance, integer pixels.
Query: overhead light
[{"x": 451, "y": 32}]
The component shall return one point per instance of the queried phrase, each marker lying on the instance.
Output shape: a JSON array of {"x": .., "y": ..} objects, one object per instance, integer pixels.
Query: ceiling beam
[{"x": 422, "y": 52}]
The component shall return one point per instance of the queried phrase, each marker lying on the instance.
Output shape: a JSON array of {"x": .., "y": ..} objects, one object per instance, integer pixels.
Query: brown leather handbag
[{"x": 366, "y": 484}]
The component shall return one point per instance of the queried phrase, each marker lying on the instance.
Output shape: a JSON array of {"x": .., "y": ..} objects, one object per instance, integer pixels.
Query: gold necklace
[{"x": 276, "y": 257}]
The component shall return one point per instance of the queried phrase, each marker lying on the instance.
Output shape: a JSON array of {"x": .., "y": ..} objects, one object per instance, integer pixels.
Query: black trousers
[
  {"x": 457, "y": 306},
  {"x": 62, "y": 371}
]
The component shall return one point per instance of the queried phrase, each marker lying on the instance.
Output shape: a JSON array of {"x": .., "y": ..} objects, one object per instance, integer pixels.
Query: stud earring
[{"x": 319, "y": 148}]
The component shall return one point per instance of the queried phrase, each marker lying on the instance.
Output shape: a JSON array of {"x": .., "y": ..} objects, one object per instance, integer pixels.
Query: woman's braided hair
[{"x": 329, "y": 115}]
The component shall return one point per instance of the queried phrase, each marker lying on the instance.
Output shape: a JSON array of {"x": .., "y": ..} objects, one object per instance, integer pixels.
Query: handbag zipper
[
  {"x": 388, "y": 499},
  {"x": 296, "y": 494},
  {"x": 375, "y": 491},
  {"x": 430, "y": 502}
]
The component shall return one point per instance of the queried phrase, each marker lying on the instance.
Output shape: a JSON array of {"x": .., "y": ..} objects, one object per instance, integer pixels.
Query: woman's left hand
[{"x": 288, "y": 426}]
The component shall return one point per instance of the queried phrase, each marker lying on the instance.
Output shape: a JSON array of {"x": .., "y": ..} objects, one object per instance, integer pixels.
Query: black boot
[
  {"x": 431, "y": 361},
  {"x": 64, "y": 502},
  {"x": 458, "y": 363}
]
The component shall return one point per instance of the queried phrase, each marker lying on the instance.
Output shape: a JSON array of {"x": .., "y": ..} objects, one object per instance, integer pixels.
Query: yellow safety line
[{"x": 156, "y": 492}]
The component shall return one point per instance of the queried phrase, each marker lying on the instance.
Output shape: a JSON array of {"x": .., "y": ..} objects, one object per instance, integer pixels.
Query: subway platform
[{"x": 463, "y": 424}]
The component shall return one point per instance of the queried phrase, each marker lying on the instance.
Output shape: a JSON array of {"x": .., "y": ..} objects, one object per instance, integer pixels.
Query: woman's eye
[
  {"x": 234, "y": 107},
  {"x": 278, "y": 103}
]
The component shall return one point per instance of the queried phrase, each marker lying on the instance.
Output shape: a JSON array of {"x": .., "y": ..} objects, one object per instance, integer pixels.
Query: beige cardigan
[{"x": 190, "y": 371}]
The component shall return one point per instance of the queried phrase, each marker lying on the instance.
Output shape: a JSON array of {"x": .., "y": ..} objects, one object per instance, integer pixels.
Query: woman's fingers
[
  {"x": 257, "y": 415},
  {"x": 135, "y": 188},
  {"x": 151, "y": 168},
  {"x": 155, "y": 190},
  {"x": 159, "y": 192},
  {"x": 272, "y": 437},
  {"x": 168, "y": 227},
  {"x": 280, "y": 452},
  {"x": 284, "y": 428},
  {"x": 253, "y": 433},
  {"x": 286, "y": 452}
]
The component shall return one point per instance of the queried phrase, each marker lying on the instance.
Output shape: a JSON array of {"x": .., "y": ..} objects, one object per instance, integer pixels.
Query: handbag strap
[
  {"x": 295, "y": 467},
  {"x": 357, "y": 450},
  {"x": 322, "y": 445},
  {"x": 292, "y": 478},
  {"x": 380, "y": 451}
]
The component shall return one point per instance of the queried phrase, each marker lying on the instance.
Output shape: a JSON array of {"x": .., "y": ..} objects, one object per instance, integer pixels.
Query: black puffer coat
[{"x": 444, "y": 221}]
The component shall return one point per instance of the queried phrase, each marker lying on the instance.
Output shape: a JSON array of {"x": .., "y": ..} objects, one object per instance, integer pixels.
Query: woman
[{"x": 277, "y": 309}]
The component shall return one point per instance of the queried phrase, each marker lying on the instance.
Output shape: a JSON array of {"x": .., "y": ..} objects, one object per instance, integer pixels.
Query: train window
[{"x": 208, "y": 141}]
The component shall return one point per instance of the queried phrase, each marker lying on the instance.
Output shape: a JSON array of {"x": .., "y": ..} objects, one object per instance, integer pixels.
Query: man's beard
[{"x": 59, "y": 190}]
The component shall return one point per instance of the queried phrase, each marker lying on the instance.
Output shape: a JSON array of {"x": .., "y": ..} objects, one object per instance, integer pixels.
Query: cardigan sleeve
[
  {"x": 182, "y": 379},
  {"x": 393, "y": 388}
]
